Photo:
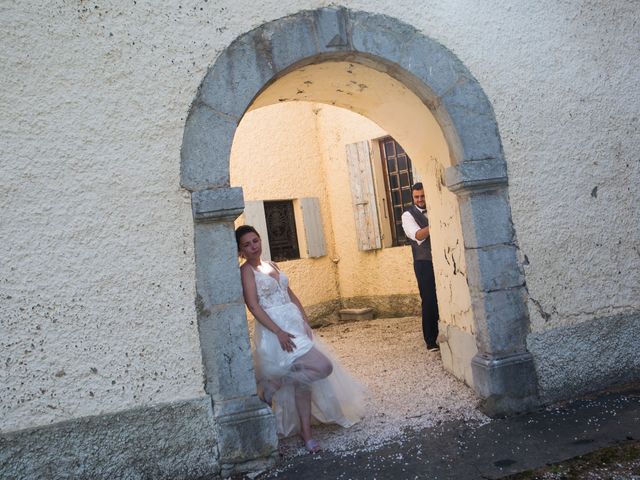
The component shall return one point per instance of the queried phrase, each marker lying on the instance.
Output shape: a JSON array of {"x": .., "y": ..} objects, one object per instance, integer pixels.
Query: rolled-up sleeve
[{"x": 410, "y": 227}]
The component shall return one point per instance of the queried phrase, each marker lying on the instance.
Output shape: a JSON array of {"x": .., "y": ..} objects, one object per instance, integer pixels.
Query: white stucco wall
[
  {"x": 97, "y": 235},
  {"x": 97, "y": 282}
]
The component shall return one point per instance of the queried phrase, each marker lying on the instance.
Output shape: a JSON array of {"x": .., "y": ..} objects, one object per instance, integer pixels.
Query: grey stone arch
[{"x": 503, "y": 372}]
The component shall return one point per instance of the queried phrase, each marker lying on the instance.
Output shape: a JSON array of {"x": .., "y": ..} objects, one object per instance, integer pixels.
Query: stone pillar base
[
  {"x": 507, "y": 384},
  {"x": 247, "y": 438}
]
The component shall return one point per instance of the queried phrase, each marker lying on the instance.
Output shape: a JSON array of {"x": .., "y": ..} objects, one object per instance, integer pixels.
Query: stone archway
[{"x": 503, "y": 373}]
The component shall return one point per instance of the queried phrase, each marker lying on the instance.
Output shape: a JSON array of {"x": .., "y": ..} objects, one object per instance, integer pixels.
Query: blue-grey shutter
[
  {"x": 312, "y": 221},
  {"x": 363, "y": 195}
]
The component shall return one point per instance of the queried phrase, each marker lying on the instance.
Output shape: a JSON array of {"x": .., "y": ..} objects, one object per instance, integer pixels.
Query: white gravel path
[{"x": 409, "y": 388}]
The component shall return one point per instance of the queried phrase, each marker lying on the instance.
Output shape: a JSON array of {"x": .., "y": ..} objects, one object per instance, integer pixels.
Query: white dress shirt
[{"x": 410, "y": 226}]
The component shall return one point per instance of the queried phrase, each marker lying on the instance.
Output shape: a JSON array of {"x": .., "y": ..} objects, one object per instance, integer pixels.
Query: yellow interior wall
[
  {"x": 385, "y": 271},
  {"x": 276, "y": 156}
]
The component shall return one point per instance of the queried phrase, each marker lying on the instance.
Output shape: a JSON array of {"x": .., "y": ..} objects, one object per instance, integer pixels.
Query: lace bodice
[{"x": 271, "y": 292}]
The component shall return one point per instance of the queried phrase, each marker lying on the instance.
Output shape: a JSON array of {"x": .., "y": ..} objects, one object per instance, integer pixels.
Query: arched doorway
[{"x": 441, "y": 97}]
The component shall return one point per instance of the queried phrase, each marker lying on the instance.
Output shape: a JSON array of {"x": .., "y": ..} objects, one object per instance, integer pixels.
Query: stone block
[
  {"x": 493, "y": 268},
  {"x": 332, "y": 26},
  {"x": 217, "y": 272},
  {"x": 238, "y": 75},
  {"x": 206, "y": 149},
  {"x": 508, "y": 384},
  {"x": 387, "y": 306},
  {"x": 502, "y": 320},
  {"x": 466, "y": 111},
  {"x": 226, "y": 352},
  {"x": 167, "y": 441},
  {"x": 246, "y": 430},
  {"x": 432, "y": 63},
  {"x": 480, "y": 174},
  {"x": 291, "y": 40},
  {"x": 467, "y": 93},
  {"x": 217, "y": 204},
  {"x": 353, "y": 314},
  {"x": 381, "y": 36},
  {"x": 486, "y": 219}
]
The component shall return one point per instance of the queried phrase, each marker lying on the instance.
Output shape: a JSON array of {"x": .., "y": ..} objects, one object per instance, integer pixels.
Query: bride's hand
[{"x": 285, "y": 341}]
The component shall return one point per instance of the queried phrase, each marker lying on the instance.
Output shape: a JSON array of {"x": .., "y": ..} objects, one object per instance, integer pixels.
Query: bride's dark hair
[{"x": 243, "y": 230}]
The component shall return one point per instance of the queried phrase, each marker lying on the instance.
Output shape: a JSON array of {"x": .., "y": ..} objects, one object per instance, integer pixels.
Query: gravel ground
[{"x": 409, "y": 388}]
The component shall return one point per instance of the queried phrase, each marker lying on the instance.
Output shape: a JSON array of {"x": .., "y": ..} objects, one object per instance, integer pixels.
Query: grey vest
[{"x": 422, "y": 251}]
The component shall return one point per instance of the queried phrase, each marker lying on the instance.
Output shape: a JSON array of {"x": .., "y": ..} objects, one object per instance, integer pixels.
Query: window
[
  {"x": 290, "y": 229},
  {"x": 281, "y": 230},
  {"x": 398, "y": 179},
  {"x": 380, "y": 181}
]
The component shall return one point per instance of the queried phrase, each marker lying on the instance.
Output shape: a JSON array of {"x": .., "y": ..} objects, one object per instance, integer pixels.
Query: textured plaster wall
[
  {"x": 276, "y": 156},
  {"x": 96, "y": 283},
  {"x": 561, "y": 79},
  {"x": 97, "y": 277}
]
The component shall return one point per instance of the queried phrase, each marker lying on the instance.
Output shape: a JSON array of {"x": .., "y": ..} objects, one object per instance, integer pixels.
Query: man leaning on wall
[{"x": 416, "y": 227}]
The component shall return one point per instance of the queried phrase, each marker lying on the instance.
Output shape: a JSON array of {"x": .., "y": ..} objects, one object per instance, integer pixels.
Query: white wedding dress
[{"x": 338, "y": 398}]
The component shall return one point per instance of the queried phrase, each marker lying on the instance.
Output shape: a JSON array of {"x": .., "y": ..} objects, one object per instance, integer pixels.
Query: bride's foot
[{"x": 312, "y": 446}]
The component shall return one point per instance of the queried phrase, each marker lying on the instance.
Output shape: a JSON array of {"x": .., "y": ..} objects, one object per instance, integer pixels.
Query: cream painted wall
[
  {"x": 389, "y": 270},
  {"x": 295, "y": 149},
  {"x": 447, "y": 244},
  {"x": 96, "y": 283},
  {"x": 361, "y": 273}
]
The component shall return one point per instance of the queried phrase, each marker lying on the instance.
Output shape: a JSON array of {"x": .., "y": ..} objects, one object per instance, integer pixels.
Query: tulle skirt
[{"x": 337, "y": 398}]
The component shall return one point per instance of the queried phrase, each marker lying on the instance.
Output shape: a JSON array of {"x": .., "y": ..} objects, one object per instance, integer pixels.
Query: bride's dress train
[{"x": 336, "y": 397}]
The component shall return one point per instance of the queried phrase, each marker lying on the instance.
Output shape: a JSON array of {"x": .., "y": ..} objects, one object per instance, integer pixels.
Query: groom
[{"x": 416, "y": 227}]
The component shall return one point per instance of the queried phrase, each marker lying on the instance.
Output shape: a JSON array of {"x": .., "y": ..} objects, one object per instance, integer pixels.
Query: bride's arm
[{"x": 250, "y": 293}]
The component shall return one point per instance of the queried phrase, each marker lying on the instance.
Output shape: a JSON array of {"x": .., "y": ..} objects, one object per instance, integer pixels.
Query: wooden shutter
[
  {"x": 312, "y": 222},
  {"x": 254, "y": 216},
  {"x": 363, "y": 195}
]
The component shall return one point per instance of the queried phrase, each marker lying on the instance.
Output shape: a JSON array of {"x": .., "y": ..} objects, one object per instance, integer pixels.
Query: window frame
[
  {"x": 287, "y": 246},
  {"x": 395, "y": 224}
]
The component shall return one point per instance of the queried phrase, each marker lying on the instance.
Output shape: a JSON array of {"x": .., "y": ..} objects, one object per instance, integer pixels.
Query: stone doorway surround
[{"x": 503, "y": 370}]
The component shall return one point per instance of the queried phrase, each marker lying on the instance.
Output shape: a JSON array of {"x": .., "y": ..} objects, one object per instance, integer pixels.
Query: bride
[{"x": 295, "y": 374}]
